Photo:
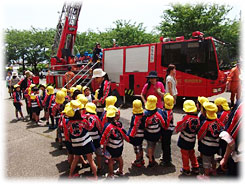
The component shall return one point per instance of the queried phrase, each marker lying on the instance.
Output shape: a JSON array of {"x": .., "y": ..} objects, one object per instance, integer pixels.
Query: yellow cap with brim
[
  {"x": 168, "y": 101},
  {"x": 137, "y": 107},
  {"x": 83, "y": 100},
  {"x": 223, "y": 102},
  {"x": 69, "y": 111},
  {"x": 90, "y": 107},
  {"x": 50, "y": 90},
  {"x": 33, "y": 97},
  {"x": 110, "y": 100},
  {"x": 151, "y": 103},
  {"x": 72, "y": 89},
  {"x": 16, "y": 86},
  {"x": 64, "y": 90},
  {"x": 79, "y": 87},
  {"x": 60, "y": 97},
  {"x": 189, "y": 106},
  {"x": 76, "y": 105},
  {"x": 111, "y": 112},
  {"x": 211, "y": 110},
  {"x": 84, "y": 88},
  {"x": 202, "y": 99}
]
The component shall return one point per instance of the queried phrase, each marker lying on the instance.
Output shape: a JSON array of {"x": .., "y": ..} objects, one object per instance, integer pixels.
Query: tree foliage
[{"x": 182, "y": 20}]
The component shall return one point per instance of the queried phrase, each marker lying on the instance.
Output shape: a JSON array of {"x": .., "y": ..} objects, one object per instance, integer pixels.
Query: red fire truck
[{"x": 197, "y": 63}]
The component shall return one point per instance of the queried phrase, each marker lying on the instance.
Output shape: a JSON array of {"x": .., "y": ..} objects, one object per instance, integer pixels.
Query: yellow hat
[
  {"x": 91, "y": 107},
  {"x": 16, "y": 86},
  {"x": 33, "y": 97},
  {"x": 64, "y": 90},
  {"x": 82, "y": 99},
  {"x": 110, "y": 100},
  {"x": 202, "y": 99},
  {"x": 60, "y": 97},
  {"x": 151, "y": 103},
  {"x": 137, "y": 107},
  {"x": 84, "y": 88},
  {"x": 168, "y": 101},
  {"x": 50, "y": 90},
  {"x": 111, "y": 112},
  {"x": 76, "y": 105},
  {"x": 223, "y": 102},
  {"x": 79, "y": 87},
  {"x": 211, "y": 110},
  {"x": 69, "y": 111},
  {"x": 29, "y": 89},
  {"x": 189, "y": 106},
  {"x": 72, "y": 89}
]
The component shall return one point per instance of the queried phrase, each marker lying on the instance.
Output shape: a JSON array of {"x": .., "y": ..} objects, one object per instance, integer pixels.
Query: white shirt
[{"x": 174, "y": 89}]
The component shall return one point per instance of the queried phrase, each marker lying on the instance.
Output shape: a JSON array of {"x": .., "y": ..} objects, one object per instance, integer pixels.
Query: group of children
[{"x": 83, "y": 132}]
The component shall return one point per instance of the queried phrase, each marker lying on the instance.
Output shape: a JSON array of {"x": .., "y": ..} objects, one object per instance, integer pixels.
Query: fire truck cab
[{"x": 196, "y": 60}]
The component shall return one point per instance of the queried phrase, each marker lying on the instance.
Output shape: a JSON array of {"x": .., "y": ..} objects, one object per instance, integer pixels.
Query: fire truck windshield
[
  {"x": 192, "y": 57},
  {"x": 222, "y": 53}
]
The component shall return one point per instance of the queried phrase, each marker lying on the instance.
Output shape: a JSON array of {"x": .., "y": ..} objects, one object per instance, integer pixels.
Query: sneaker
[
  {"x": 195, "y": 170},
  {"x": 118, "y": 173},
  {"x": 43, "y": 118},
  {"x": 110, "y": 177},
  {"x": 152, "y": 164},
  {"x": 185, "y": 172},
  {"x": 40, "y": 123},
  {"x": 137, "y": 163}
]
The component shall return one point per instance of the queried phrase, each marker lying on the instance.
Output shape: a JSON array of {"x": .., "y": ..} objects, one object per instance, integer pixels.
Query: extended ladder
[{"x": 67, "y": 24}]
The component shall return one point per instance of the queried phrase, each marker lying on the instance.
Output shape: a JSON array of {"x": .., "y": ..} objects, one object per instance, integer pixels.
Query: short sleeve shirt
[
  {"x": 151, "y": 91},
  {"x": 174, "y": 89}
]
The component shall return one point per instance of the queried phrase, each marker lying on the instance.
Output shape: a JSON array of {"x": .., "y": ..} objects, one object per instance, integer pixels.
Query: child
[
  {"x": 56, "y": 112},
  {"x": 49, "y": 103},
  {"x": 81, "y": 141},
  {"x": 223, "y": 109},
  {"x": 84, "y": 101},
  {"x": 136, "y": 133},
  {"x": 42, "y": 96},
  {"x": 202, "y": 116},
  {"x": 110, "y": 100},
  {"x": 17, "y": 102},
  {"x": 67, "y": 98},
  {"x": 87, "y": 93},
  {"x": 200, "y": 100},
  {"x": 112, "y": 142},
  {"x": 188, "y": 127},
  {"x": 208, "y": 139},
  {"x": 36, "y": 105},
  {"x": 27, "y": 94},
  {"x": 95, "y": 132},
  {"x": 153, "y": 119},
  {"x": 166, "y": 134}
]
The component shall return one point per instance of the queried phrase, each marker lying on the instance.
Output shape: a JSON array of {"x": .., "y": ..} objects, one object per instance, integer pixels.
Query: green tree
[{"x": 211, "y": 19}]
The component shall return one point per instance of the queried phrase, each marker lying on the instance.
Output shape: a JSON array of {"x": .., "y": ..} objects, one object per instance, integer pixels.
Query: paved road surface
[{"x": 31, "y": 151}]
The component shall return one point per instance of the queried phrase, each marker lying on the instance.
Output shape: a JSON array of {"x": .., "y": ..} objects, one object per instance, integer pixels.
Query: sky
[{"x": 95, "y": 14}]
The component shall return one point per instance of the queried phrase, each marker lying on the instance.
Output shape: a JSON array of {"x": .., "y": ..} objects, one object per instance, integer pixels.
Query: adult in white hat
[{"x": 101, "y": 79}]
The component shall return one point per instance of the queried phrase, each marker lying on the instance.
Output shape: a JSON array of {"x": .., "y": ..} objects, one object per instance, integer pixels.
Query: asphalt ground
[{"x": 32, "y": 153}]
